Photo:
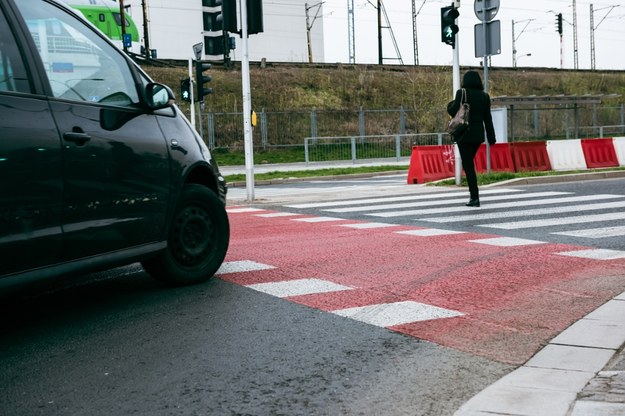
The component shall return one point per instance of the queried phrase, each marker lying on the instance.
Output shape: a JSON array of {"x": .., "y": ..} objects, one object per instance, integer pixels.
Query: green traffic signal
[
  {"x": 449, "y": 28},
  {"x": 185, "y": 89}
]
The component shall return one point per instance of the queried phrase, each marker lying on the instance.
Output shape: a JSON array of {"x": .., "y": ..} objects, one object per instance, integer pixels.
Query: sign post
[
  {"x": 247, "y": 105},
  {"x": 486, "y": 10},
  {"x": 487, "y": 41}
]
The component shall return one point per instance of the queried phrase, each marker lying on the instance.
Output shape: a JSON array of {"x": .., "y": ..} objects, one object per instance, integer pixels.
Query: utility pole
[
  {"x": 309, "y": 26},
  {"x": 592, "y": 38},
  {"x": 351, "y": 36},
  {"x": 592, "y": 31},
  {"x": 415, "y": 13},
  {"x": 382, "y": 10},
  {"x": 380, "y": 56},
  {"x": 575, "y": 60},
  {"x": 122, "y": 15},
  {"x": 146, "y": 32},
  {"x": 415, "y": 43},
  {"x": 515, "y": 38}
]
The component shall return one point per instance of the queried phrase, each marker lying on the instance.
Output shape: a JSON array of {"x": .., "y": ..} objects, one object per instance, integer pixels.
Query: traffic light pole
[
  {"x": 486, "y": 86},
  {"x": 456, "y": 86},
  {"x": 247, "y": 105},
  {"x": 191, "y": 93}
]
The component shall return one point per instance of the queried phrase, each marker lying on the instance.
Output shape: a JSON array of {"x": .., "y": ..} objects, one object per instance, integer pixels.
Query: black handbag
[{"x": 459, "y": 124}]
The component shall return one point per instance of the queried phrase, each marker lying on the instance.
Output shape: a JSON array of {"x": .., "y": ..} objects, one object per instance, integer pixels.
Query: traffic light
[
  {"x": 185, "y": 89},
  {"x": 229, "y": 15},
  {"x": 221, "y": 15},
  {"x": 559, "y": 23},
  {"x": 449, "y": 28},
  {"x": 214, "y": 45},
  {"x": 202, "y": 79},
  {"x": 254, "y": 16}
]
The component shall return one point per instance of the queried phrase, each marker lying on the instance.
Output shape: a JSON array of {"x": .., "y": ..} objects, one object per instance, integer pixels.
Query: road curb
[
  {"x": 279, "y": 181},
  {"x": 573, "y": 177},
  {"x": 531, "y": 180}
]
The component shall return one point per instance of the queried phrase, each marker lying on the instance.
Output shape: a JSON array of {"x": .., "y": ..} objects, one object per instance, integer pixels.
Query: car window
[
  {"x": 79, "y": 64},
  {"x": 12, "y": 73}
]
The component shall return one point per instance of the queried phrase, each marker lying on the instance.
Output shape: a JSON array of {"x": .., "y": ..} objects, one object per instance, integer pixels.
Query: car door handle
[{"x": 78, "y": 138}]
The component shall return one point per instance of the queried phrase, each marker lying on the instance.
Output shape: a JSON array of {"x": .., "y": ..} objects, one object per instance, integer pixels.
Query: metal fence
[
  {"x": 559, "y": 122},
  {"x": 398, "y": 146},
  {"x": 289, "y": 128},
  {"x": 349, "y": 134}
]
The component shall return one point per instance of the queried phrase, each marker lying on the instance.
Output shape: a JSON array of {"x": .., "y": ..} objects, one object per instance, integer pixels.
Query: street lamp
[
  {"x": 522, "y": 56},
  {"x": 515, "y": 37}
]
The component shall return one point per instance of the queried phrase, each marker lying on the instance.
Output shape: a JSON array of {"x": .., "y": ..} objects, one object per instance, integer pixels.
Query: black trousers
[{"x": 467, "y": 153}]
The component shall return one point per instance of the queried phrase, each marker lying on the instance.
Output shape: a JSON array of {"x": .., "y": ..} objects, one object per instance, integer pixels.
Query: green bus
[{"x": 104, "y": 14}]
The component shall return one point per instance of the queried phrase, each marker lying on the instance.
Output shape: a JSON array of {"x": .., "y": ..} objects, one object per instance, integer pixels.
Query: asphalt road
[{"x": 119, "y": 343}]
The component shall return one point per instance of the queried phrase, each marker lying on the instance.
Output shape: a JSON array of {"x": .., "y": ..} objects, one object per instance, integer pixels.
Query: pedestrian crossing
[
  {"x": 542, "y": 215},
  {"x": 439, "y": 271}
]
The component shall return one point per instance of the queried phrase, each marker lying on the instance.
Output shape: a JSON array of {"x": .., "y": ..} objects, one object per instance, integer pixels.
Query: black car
[{"x": 98, "y": 167}]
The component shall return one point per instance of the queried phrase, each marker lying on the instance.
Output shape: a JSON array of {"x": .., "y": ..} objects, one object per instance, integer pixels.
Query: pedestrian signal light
[
  {"x": 185, "y": 89},
  {"x": 449, "y": 28}
]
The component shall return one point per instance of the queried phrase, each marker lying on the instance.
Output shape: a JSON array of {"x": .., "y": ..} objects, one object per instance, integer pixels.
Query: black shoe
[{"x": 473, "y": 203}]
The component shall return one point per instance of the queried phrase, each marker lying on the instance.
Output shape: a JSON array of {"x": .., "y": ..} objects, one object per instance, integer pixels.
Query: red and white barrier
[
  {"x": 619, "y": 148},
  {"x": 500, "y": 158},
  {"x": 427, "y": 164},
  {"x": 530, "y": 156},
  {"x": 599, "y": 153},
  {"x": 430, "y": 163},
  {"x": 566, "y": 154}
]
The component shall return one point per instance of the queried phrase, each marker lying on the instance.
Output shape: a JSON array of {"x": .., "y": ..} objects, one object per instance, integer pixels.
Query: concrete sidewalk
[
  {"x": 293, "y": 167},
  {"x": 581, "y": 372}
]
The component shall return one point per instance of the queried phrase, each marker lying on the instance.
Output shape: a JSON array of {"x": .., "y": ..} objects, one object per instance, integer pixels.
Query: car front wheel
[{"x": 198, "y": 239}]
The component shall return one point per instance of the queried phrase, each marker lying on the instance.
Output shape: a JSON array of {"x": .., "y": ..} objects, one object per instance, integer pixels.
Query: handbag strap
[{"x": 464, "y": 96}]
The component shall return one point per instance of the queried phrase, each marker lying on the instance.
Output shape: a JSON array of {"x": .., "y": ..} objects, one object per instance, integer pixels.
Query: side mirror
[{"x": 159, "y": 96}]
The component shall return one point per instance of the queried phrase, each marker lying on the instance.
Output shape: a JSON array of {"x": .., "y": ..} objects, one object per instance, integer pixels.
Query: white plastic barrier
[
  {"x": 619, "y": 148},
  {"x": 566, "y": 154}
]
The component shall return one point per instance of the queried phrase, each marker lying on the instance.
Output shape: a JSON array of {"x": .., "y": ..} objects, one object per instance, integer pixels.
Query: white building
[{"x": 175, "y": 26}]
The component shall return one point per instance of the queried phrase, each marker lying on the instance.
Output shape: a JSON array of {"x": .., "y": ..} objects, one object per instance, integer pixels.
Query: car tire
[{"x": 198, "y": 239}]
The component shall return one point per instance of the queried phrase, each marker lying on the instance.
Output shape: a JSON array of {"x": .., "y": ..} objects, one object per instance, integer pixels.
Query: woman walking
[{"x": 479, "y": 118}]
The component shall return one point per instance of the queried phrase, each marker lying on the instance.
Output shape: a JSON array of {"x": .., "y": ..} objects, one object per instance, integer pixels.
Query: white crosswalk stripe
[
  {"x": 533, "y": 212},
  {"x": 440, "y": 202},
  {"x": 533, "y": 216},
  {"x": 596, "y": 232},
  {"x": 548, "y": 222},
  {"x": 398, "y": 198},
  {"x": 462, "y": 201}
]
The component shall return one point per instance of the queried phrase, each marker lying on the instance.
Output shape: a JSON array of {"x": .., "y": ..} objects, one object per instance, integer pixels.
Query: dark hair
[{"x": 472, "y": 80}]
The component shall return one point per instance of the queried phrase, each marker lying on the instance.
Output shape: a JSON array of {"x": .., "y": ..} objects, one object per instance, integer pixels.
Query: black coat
[{"x": 479, "y": 115}]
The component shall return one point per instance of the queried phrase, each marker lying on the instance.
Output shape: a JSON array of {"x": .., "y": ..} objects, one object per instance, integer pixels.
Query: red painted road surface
[{"x": 510, "y": 300}]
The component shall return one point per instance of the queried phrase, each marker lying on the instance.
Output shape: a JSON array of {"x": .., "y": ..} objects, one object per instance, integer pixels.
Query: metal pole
[
  {"x": 513, "y": 47},
  {"x": 456, "y": 85},
  {"x": 247, "y": 105},
  {"x": 380, "y": 58},
  {"x": 191, "y": 92},
  {"x": 486, "y": 50},
  {"x": 310, "y": 59},
  {"x": 123, "y": 23},
  {"x": 146, "y": 30}
]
